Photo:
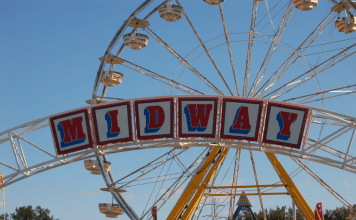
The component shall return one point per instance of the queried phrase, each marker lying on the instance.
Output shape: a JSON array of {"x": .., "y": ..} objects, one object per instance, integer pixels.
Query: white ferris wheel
[{"x": 281, "y": 76}]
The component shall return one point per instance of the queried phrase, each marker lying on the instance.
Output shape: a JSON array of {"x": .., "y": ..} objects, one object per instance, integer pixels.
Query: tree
[
  {"x": 339, "y": 213},
  {"x": 27, "y": 213},
  {"x": 280, "y": 213},
  {"x": 6, "y": 215}
]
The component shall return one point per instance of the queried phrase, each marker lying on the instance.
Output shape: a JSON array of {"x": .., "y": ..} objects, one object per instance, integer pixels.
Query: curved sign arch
[{"x": 179, "y": 122}]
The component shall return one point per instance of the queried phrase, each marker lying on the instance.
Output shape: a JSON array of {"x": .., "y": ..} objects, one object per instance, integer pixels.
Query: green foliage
[
  {"x": 28, "y": 213},
  {"x": 282, "y": 213},
  {"x": 339, "y": 213},
  {"x": 6, "y": 215}
]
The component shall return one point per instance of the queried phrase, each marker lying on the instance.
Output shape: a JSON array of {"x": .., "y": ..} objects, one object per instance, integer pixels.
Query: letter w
[{"x": 197, "y": 116}]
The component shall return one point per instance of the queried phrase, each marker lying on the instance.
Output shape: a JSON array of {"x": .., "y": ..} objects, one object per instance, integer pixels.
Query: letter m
[{"x": 71, "y": 131}]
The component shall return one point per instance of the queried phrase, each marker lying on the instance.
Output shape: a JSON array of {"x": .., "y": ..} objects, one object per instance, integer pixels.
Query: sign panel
[
  {"x": 240, "y": 119},
  {"x": 71, "y": 131},
  {"x": 154, "y": 118},
  {"x": 197, "y": 117},
  {"x": 112, "y": 123},
  {"x": 285, "y": 124}
]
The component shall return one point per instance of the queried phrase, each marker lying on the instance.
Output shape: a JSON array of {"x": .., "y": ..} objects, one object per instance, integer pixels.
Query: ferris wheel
[{"x": 202, "y": 105}]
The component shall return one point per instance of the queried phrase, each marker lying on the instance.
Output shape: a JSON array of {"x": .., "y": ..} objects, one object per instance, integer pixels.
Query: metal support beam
[
  {"x": 294, "y": 210},
  {"x": 247, "y": 194},
  {"x": 193, "y": 185},
  {"x": 200, "y": 191},
  {"x": 292, "y": 189},
  {"x": 248, "y": 186}
]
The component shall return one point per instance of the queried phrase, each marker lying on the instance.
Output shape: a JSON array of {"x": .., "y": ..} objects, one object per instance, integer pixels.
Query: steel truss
[{"x": 320, "y": 150}]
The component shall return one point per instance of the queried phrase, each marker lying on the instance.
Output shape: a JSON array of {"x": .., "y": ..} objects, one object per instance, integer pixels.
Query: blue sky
[{"x": 49, "y": 59}]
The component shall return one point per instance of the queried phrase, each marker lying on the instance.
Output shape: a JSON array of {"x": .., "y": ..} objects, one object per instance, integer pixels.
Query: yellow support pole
[
  {"x": 193, "y": 185},
  {"x": 248, "y": 186},
  {"x": 200, "y": 191},
  {"x": 292, "y": 189},
  {"x": 247, "y": 194}
]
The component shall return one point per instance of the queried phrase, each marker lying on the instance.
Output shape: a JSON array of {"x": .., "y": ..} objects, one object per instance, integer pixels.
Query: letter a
[
  {"x": 197, "y": 116},
  {"x": 285, "y": 120},
  {"x": 241, "y": 123},
  {"x": 154, "y": 118},
  {"x": 112, "y": 123}
]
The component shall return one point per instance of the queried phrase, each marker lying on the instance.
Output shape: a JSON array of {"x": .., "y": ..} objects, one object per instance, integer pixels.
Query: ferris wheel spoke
[
  {"x": 288, "y": 3},
  {"x": 322, "y": 182},
  {"x": 145, "y": 173},
  {"x": 209, "y": 179},
  {"x": 332, "y": 61},
  {"x": 206, "y": 51},
  {"x": 181, "y": 59},
  {"x": 334, "y": 152},
  {"x": 327, "y": 92},
  {"x": 269, "y": 16},
  {"x": 143, "y": 167},
  {"x": 273, "y": 46},
  {"x": 315, "y": 146},
  {"x": 206, "y": 183},
  {"x": 296, "y": 54},
  {"x": 193, "y": 60},
  {"x": 250, "y": 47},
  {"x": 156, "y": 185},
  {"x": 235, "y": 180},
  {"x": 229, "y": 49},
  {"x": 269, "y": 11},
  {"x": 258, "y": 188},
  {"x": 179, "y": 162},
  {"x": 175, "y": 186},
  {"x": 163, "y": 195},
  {"x": 169, "y": 83},
  {"x": 159, "y": 77}
]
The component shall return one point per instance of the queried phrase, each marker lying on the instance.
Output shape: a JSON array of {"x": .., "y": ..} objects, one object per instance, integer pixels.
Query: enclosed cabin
[
  {"x": 111, "y": 78},
  {"x": 346, "y": 25},
  {"x": 305, "y": 5},
  {"x": 110, "y": 210},
  {"x": 171, "y": 13},
  {"x": 135, "y": 41},
  {"x": 93, "y": 166},
  {"x": 213, "y": 2}
]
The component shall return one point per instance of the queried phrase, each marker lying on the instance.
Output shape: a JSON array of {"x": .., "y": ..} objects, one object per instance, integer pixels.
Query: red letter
[
  {"x": 114, "y": 125},
  {"x": 199, "y": 115},
  {"x": 288, "y": 118},
  {"x": 74, "y": 128},
  {"x": 156, "y": 116},
  {"x": 242, "y": 119}
]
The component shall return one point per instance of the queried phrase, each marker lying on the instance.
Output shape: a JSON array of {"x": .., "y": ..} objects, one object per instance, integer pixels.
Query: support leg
[{"x": 292, "y": 189}]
